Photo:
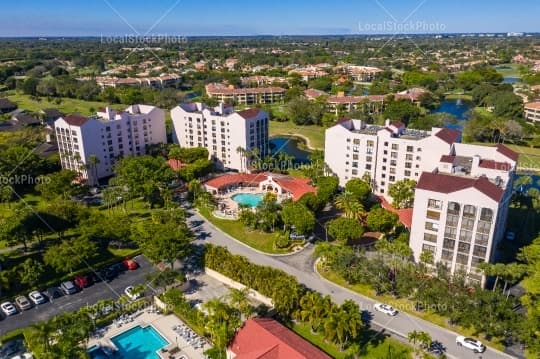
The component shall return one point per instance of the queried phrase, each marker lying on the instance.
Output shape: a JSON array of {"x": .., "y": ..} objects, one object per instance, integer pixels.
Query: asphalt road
[
  {"x": 70, "y": 303},
  {"x": 301, "y": 265}
]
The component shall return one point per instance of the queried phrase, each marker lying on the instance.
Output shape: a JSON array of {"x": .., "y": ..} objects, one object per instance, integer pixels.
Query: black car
[
  {"x": 53, "y": 293},
  {"x": 106, "y": 274}
]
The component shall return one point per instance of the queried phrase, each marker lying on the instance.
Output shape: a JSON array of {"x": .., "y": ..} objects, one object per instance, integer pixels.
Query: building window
[
  {"x": 408, "y": 157},
  {"x": 430, "y": 226},
  {"x": 464, "y": 247},
  {"x": 393, "y": 155},
  {"x": 467, "y": 223},
  {"x": 393, "y": 163},
  {"x": 428, "y": 248},
  {"x": 395, "y": 146},
  {"x": 450, "y": 232},
  {"x": 433, "y": 215},
  {"x": 465, "y": 236},
  {"x": 469, "y": 211},
  {"x": 368, "y": 166},
  {"x": 486, "y": 214},
  {"x": 410, "y": 148},
  {"x": 462, "y": 258},
  {"x": 386, "y": 144},
  {"x": 453, "y": 208},
  {"x": 481, "y": 239},
  {"x": 434, "y": 203},
  {"x": 430, "y": 237},
  {"x": 447, "y": 255},
  {"x": 449, "y": 243},
  {"x": 480, "y": 251},
  {"x": 392, "y": 178},
  {"x": 407, "y": 173}
]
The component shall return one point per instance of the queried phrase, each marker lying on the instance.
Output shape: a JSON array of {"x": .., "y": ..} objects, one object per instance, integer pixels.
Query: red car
[
  {"x": 81, "y": 281},
  {"x": 130, "y": 264}
]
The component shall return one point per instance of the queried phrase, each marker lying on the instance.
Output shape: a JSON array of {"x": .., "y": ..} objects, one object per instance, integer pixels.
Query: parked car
[
  {"x": 53, "y": 293},
  {"x": 386, "y": 309},
  {"x": 108, "y": 274},
  {"x": 130, "y": 293},
  {"x": 82, "y": 281},
  {"x": 8, "y": 308},
  {"x": 36, "y": 297},
  {"x": 23, "y": 303},
  {"x": 471, "y": 343},
  {"x": 68, "y": 287},
  {"x": 130, "y": 264}
]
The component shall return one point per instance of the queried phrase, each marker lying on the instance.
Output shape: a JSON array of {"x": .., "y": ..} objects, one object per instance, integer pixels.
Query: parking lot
[{"x": 87, "y": 296}]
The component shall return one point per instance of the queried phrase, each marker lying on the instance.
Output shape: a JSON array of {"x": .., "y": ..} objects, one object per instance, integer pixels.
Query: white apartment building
[
  {"x": 223, "y": 131},
  {"x": 91, "y": 145},
  {"x": 386, "y": 154},
  {"x": 532, "y": 111},
  {"x": 461, "y": 207}
]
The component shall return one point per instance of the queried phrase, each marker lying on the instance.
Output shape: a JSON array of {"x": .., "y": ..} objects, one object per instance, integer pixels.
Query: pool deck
[
  {"x": 164, "y": 325},
  {"x": 227, "y": 208}
]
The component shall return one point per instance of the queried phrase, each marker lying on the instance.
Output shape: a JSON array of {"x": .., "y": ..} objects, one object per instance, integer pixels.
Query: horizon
[{"x": 208, "y": 18}]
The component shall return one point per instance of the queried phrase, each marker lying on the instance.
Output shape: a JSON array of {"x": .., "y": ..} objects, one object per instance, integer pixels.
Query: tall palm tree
[
  {"x": 93, "y": 160},
  {"x": 238, "y": 298},
  {"x": 336, "y": 327},
  {"x": 242, "y": 152},
  {"x": 351, "y": 206}
]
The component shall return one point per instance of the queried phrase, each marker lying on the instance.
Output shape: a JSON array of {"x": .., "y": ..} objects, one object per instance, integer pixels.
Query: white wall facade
[
  {"x": 108, "y": 136},
  {"x": 221, "y": 131}
]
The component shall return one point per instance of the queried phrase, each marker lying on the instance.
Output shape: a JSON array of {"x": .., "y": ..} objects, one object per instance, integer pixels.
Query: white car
[
  {"x": 471, "y": 343},
  {"x": 386, "y": 309},
  {"x": 36, "y": 297},
  {"x": 8, "y": 308},
  {"x": 130, "y": 294}
]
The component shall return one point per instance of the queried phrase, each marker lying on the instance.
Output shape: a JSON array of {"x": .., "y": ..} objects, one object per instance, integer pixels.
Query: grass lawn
[
  {"x": 263, "y": 242},
  {"x": 455, "y": 96},
  {"x": 377, "y": 347},
  {"x": 314, "y": 134},
  {"x": 404, "y": 305},
  {"x": 68, "y": 105},
  {"x": 512, "y": 71}
]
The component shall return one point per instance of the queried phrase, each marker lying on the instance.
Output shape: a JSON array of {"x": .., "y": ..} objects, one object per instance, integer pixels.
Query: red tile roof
[
  {"x": 448, "y": 135},
  {"x": 447, "y": 159},
  {"x": 507, "y": 152},
  {"x": 398, "y": 124},
  {"x": 75, "y": 120},
  {"x": 533, "y": 105},
  {"x": 265, "y": 338},
  {"x": 314, "y": 93},
  {"x": 494, "y": 165},
  {"x": 249, "y": 113},
  {"x": 297, "y": 187},
  {"x": 405, "y": 214},
  {"x": 443, "y": 183},
  {"x": 176, "y": 164}
]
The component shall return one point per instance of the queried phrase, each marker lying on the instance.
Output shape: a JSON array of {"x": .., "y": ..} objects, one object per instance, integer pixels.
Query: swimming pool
[
  {"x": 139, "y": 343},
  {"x": 248, "y": 199}
]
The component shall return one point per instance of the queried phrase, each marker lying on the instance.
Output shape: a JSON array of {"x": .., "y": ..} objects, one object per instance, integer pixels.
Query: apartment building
[
  {"x": 532, "y": 111},
  {"x": 461, "y": 207},
  {"x": 370, "y": 104},
  {"x": 359, "y": 73},
  {"x": 245, "y": 96},
  {"x": 92, "y": 145},
  {"x": 222, "y": 131},
  {"x": 386, "y": 154}
]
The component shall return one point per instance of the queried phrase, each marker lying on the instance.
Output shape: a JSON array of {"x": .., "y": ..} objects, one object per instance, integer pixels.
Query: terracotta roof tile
[
  {"x": 448, "y": 135},
  {"x": 265, "y": 338},
  {"x": 505, "y": 151},
  {"x": 447, "y": 159},
  {"x": 249, "y": 113},
  {"x": 443, "y": 183},
  {"x": 75, "y": 120}
]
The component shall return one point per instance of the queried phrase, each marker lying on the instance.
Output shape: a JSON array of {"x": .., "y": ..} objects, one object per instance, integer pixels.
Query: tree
[
  {"x": 298, "y": 216},
  {"x": 344, "y": 229},
  {"x": 402, "y": 193},
  {"x": 60, "y": 184},
  {"x": 301, "y": 111},
  {"x": 427, "y": 257},
  {"x": 402, "y": 110},
  {"x": 238, "y": 298},
  {"x": 30, "y": 272},
  {"x": 350, "y": 205},
  {"x": 505, "y": 104},
  {"x": 381, "y": 220},
  {"x": 267, "y": 210},
  {"x": 222, "y": 321},
  {"x": 6, "y": 194},
  {"x": 166, "y": 238},
  {"x": 314, "y": 308},
  {"x": 419, "y": 339},
  {"x": 326, "y": 188},
  {"x": 359, "y": 188},
  {"x": 69, "y": 254}
]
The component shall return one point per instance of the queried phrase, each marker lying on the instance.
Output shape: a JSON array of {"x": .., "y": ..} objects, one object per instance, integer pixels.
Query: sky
[{"x": 273, "y": 17}]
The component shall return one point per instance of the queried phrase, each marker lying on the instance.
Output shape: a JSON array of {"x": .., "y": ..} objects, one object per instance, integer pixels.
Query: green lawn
[
  {"x": 263, "y": 242},
  {"x": 314, "y": 134},
  {"x": 456, "y": 96},
  {"x": 377, "y": 347},
  {"x": 404, "y": 305},
  {"x": 513, "y": 70},
  {"x": 68, "y": 105}
]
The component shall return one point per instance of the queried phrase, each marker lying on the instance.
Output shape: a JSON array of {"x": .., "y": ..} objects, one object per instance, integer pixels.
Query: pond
[
  {"x": 292, "y": 146},
  {"x": 511, "y": 80},
  {"x": 459, "y": 108}
]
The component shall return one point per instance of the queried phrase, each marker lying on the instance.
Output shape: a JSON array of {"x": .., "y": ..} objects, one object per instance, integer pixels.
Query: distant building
[
  {"x": 370, "y": 104},
  {"x": 158, "y": 82},
  {"x": 360, "y": 73},
  {"x": 245, "y": 96},
  {"x": 7, "y": 106},
  {"x": 226, "y": 133},
  {"x": 313, "y": 94},
  {"x": 92, "y": 145},
  {"x": 532, "y": 111},
  {"x": 308, "y": 73},
  {"x": 265, "y": 338},
  {"x": 25, "y": 120}
]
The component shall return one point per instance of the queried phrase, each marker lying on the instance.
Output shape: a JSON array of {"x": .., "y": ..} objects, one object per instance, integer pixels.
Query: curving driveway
[{"x": 301, "y": 265}]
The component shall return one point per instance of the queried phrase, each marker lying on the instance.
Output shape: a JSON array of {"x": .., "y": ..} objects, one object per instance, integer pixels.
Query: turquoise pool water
[
  {"x": 139, "y": 343},
  {"x": 248, "y": 199}
]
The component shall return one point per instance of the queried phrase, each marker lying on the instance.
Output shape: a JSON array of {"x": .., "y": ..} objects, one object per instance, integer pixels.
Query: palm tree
[
  {"x": 419, "y": 339},
  {"x": 242, "y": 152},
  {"x": 351, "y": 206},
  {"x": 93, "y": 160},
  {"x": 336, "y": 327},
  {"x": 313, "y": 309},
  {"x": 238, "y": 299}
]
